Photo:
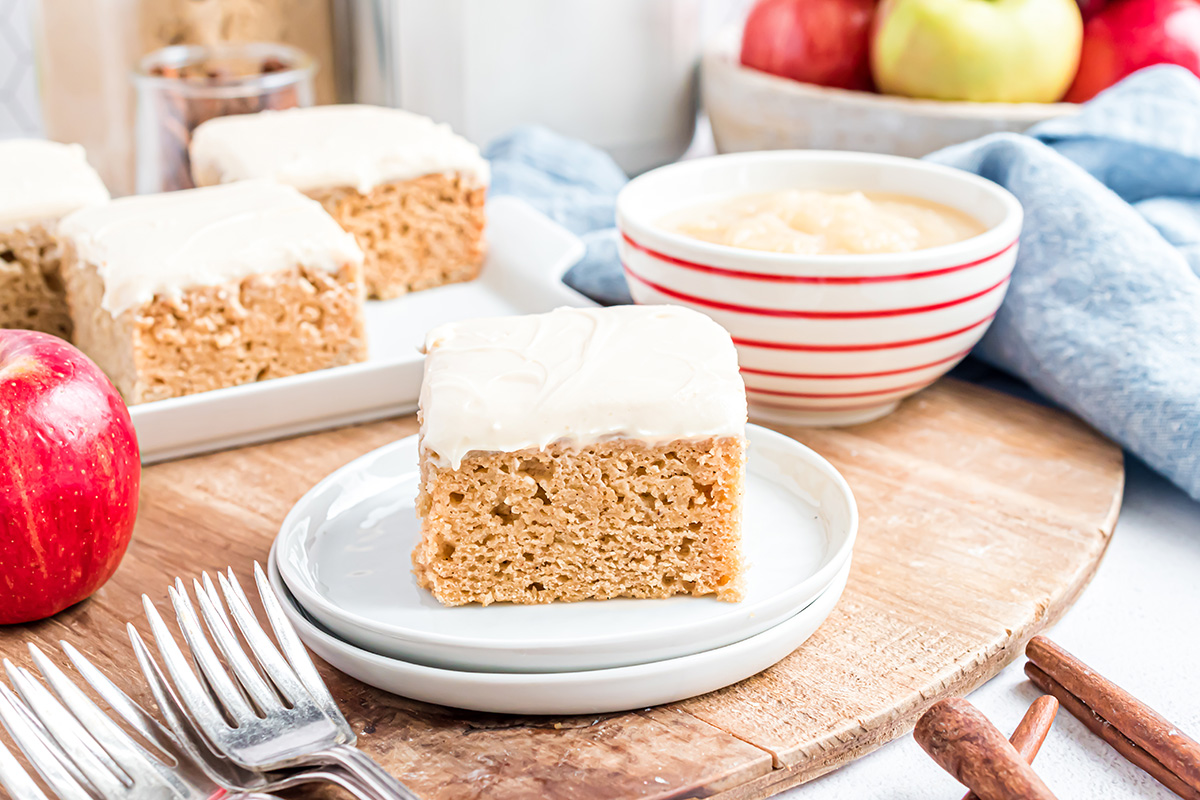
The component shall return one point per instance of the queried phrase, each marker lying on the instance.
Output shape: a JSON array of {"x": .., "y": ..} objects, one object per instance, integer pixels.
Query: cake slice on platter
[
  {"x": 581, "y": 454},
  {"x": 178, "y": 293},
  {"x": 40, "y": 182},
  {"x": 411, "y": 191}
]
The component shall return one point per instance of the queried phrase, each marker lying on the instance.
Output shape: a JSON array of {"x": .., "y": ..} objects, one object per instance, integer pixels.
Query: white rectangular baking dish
[{"x": 527, "y": 257}]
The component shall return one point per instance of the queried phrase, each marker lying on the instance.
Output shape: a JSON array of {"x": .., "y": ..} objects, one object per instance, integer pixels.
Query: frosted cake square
[
  {"x": 40, "y": 181},
  {"x": 184, "y": 292},
  {"x": 581, "y": 454},
  {"x": 411, "y": 191}
]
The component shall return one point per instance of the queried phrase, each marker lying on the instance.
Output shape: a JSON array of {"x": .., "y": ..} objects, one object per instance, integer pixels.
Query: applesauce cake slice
[
  {"x": 40, "y": 182},
  {"x": 581, "y": 454},
  {"x": 411, "y": 191},
  {"x": 178, "y": 293}
]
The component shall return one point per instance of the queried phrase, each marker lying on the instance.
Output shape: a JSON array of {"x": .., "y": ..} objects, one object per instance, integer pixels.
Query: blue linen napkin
[
  {"x": 575, "y": 185},
  {"x": 1103, "y": 313}
]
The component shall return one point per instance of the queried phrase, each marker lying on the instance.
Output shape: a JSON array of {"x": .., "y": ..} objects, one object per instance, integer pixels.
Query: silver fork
[
  {"x": 92, "y": 757},
  {"x": 20, "y": 784},
  {"x": 184, "y": 735},
  {"x": 274, "y": 712}
]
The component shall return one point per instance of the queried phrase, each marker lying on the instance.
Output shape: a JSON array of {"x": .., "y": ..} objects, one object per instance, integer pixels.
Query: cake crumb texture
[
  {"x": 619, "y": 518},
  {"x": 415, "y": 234},
  {"x": 210, "y": 337},
  {"x": 31, "y": 289}
]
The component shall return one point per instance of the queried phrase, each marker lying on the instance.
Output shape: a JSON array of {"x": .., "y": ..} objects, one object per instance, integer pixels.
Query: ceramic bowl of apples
[{"x": 912, "y": 76}]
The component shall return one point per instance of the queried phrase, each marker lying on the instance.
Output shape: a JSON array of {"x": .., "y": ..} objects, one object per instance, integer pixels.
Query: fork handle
[
  {"x": 338, "y": 776},
  {"x": 375, "y": 779}
]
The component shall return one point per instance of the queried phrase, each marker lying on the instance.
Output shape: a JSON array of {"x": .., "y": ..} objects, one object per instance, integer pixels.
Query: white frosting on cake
[
  {"x": 165, "y": 243},
  {"x": 651, "y": 373},
  {"x": 40, "y": 181},
  {"x": 329, "y": 146}
]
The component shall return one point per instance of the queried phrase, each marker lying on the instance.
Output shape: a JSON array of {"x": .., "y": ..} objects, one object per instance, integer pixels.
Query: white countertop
[{"x": 1138, "y": 624}]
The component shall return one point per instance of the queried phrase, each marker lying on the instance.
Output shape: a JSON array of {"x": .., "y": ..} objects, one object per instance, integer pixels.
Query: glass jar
[
  {"x": 87, "y": 48},
  {"x": 182, "y": 86}
]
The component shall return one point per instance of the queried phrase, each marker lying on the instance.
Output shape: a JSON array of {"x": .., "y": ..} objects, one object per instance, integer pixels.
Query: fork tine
[
  {"x": 30, "y": 720},
  {"x": 187, "y": 732},
  {"x": 272, "y": 662},
  {"x": 141, "y": 765},
  {"x": 46, "y": 753},
  {"x": 97, "y": 766},
  {"x": 43, "y": 759},
  {"x": 131, "y": 712},
  {"x": 294, "y": 650},
  {"x": 16, "y": 780},
  {"x": 218, "y": 625},
  {"x": 208, "y": 586},
  {"x": 182, "y": 741},
  {"x": 226, "y": 691},
  {"x": 164, "y": 696},
  {"x": 195, "y": 696}
]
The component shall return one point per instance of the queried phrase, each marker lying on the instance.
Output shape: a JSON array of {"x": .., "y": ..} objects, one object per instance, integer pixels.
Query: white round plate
[
  {"x": 588, "y": 692},
  {"x": 344, "y": 553}
]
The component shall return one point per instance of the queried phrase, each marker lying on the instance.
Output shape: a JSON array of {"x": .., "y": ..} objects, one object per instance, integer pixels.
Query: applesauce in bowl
[
  {"x": 848, "y": 281},
  {"x": 815, "y": 222}
]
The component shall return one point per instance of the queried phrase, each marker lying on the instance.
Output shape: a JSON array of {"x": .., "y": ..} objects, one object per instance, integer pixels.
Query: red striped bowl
[{"x": 825, "y": 340}]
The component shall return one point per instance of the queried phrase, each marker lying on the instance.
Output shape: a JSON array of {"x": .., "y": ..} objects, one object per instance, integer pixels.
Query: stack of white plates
[{"x": 341, "y": 567}]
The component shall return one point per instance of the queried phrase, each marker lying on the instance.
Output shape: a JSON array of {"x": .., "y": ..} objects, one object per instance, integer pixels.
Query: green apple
[{"x": 1000, "y": 51}]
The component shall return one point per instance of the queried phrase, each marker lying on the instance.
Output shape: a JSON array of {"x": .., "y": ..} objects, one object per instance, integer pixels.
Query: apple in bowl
[
  {"x": 766, "y": 88},
  {"x": 816, "y": 41},
  {"x": 69, "y": 476},
  {"x": 989, "y": 51},
  {"x": 1124, "y": 37}
]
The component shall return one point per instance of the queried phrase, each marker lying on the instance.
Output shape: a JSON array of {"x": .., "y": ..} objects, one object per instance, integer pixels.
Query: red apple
[
  {"x": 1130, "y": 34},
  {"x": 69, "y": 476},
  {"x": 826, "y": 42}
]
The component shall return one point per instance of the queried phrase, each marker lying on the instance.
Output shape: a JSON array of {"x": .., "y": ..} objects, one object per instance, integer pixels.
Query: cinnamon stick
[
  {"x": 964, "y": 743},
  {"x": 1117, "y": 740},
  {"x": 1031, "y": 731},
  {"x": 1136, "y": 721}
]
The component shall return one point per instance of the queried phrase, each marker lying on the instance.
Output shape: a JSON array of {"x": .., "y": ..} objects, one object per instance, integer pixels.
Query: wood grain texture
[{"x": 982, "y": 518}]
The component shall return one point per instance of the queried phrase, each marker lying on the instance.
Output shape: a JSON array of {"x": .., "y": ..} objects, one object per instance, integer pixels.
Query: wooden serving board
[{"x": 982, "y": 519}]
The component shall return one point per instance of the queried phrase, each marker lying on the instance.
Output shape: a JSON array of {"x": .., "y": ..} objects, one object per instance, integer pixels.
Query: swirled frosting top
[
  {"x": 651, "y": 373},
  {"x": 40, "y": 181},
  {"x": 163, "y": 243},
  {"x": 331, "y": 146}
]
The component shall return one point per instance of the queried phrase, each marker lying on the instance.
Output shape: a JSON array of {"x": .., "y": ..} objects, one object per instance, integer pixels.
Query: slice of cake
[
  {"x": 410, "y": 191},
  {"x": 40, "y": 181},
  {"x": 581, "y": 454},
  {"x": 178, "y": 293}
]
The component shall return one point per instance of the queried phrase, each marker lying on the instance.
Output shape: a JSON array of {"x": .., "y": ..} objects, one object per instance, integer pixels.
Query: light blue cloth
[
  {"x": 1103, "y": 313},
  {"x": 575, "y": 185}
]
